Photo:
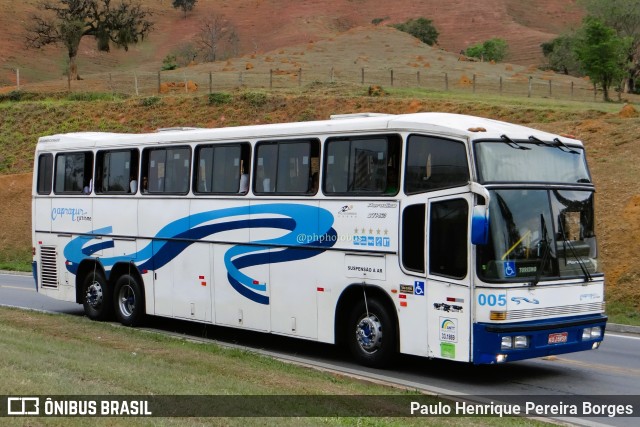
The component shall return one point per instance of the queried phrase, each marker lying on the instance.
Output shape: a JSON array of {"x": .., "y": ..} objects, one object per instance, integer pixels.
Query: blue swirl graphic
[{"x": 175, "y": 237}]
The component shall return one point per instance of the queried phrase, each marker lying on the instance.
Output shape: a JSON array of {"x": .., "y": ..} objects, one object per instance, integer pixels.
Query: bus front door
[{"x": 448, "y": 277}]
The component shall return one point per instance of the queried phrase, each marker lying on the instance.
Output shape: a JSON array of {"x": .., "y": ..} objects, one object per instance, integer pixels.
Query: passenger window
[
  {"x": 117, "y": 172},
  {"x": 362, "y": 165},
  {"x": 222, "y": 169},
  {"x": 45, "y": 173},
  {"x": 166, "y": 170},
  {"x": 74, "y": 173},
  {"x": 413, "y": 237},
  {"x": 434, "y": 163},
  {"x": 287, "y": 167},
  {"x": 448, "y": 238}
]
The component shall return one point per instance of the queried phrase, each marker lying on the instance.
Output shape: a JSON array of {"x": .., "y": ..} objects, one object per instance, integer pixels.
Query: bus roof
[{"x": 454, "y": 125}]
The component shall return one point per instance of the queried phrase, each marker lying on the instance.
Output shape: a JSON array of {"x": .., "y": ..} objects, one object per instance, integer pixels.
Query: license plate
[{"x": 558, "y": 338}]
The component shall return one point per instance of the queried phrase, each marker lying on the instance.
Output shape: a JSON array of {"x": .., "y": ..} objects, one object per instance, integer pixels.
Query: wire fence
[{"x": 190, "y": 81}]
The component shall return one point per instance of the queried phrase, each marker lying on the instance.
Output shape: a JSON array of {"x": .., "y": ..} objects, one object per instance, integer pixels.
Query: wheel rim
[
  {"x": 94, "y": 294},
  {"x": 127, "y": 300},
  {"x": 369, "y": 333}
]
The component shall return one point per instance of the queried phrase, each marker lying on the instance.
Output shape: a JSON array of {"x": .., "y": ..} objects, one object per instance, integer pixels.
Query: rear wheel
[
  {"x": 371, "y": 334},
  {"x": 96, "y": 297},
  {"x": 129, "y": 301}
]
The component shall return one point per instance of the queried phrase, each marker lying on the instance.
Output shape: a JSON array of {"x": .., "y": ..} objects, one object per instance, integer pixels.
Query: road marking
[
  {"x": 621, "y": 336},
  {"x": 606, "y": 368},
  {"x": 20, "y": 288}
]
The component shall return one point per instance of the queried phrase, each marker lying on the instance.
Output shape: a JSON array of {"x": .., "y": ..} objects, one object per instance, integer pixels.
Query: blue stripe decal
[{"x": 298, "y": 220}]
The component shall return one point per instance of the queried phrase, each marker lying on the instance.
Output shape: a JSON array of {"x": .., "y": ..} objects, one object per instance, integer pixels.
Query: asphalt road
[{"x": 613, "y": 369}]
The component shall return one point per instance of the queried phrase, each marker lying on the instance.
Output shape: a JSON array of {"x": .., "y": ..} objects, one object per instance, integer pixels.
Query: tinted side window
[
  {"x": 222, "y": 169},
  {"x": 45, "y": 173},
  {"x": 413, "y": 236},
  {"x": 362, "y": 165},
  {"x": 287, "y": 167},
  {"x": 166, "y": 170},
  {"x": 434, "y": 163},
  {"x": 117, "y": 172},
  {"x": 74, "y": 173},
  {"x": 448, "y": 238}
]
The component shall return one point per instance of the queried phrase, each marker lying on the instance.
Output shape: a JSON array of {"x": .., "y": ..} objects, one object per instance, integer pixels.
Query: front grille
[
  {"x": 555, "y": 311},
  {"x": 48, "y": 267}
]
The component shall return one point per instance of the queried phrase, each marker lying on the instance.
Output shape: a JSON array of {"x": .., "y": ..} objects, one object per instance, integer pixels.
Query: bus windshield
[
  {"x": 539, "y": 234},
  {"x": 504, "y": 161}
]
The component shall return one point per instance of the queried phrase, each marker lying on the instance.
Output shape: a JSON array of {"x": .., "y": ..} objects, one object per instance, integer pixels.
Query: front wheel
[
  {"x": 129, "y": 301},
  {"x": 371, "y": 335},
  {"x": 96, "y": 296}
]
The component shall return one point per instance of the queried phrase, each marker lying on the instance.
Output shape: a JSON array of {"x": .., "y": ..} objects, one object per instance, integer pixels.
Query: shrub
[
  {"x": 420, "y": 28},
  {"x": 255, "y": 99},
  {"x": 220, "y": 98},
  {"x": 169, "y": 63},
  {"x": 489, "y": 50},
  {"x": 150, "y": 101}
]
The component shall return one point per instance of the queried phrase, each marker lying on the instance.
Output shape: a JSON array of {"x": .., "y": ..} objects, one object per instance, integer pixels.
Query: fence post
[
  {"x": 184, "y": 77},
  {"x": 135, "y": 82},
  {"x": 331, "y": 75},
  {"x": 362, "y": 76},
  {"x": 571, "y": 89},
  {"x": 299, "y": 77},
  {"x": 446, "y": 81},
  {"x": 18, "y": 78},
  {"x": 474, "y": 83},
  {"x": 529, "y": 90},
  {"x": 159, "y": 82},
  {"x": 210, "y": 82},
  {"x": 392, "y": 77},
  {"x": 111, "y": 83},
  {"x": 240, "y": 78},
  {"x": 549, "y": 87},
  {"x": 500, "y": 85},
  {"x": 418, "y": 76},
  {"x": 271, "y": 79}
]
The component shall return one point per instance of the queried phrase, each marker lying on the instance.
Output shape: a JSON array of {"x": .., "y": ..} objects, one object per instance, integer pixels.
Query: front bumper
[{"x": 487, "y": 338}]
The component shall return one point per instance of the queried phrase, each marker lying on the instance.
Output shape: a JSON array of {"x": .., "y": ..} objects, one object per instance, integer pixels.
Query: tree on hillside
[
  {"x": 420, "y": 28},
  {"x": 490, "y": 50},
  {"x": 68, "y": 21},
  {"x": 624, "y": 17},
  {"x": 185, "y": 5},
  {"x": 561, "y": 55},
  {"x": 602, "y": 53},
  {"x": 215, "y": 31}
]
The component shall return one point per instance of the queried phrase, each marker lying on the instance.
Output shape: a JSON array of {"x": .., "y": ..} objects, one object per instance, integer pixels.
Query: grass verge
[{"x": 46, "y": 354}]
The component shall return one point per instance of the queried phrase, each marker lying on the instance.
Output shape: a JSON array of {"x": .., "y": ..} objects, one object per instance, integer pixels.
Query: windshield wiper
[
  {"x": 558, "y": 144},
  {"x": 511, "y": 143},
  {"x": 561, "y": 145},
  {"x": 566, "y": 243},
  {"x": 547, "y": 250}
]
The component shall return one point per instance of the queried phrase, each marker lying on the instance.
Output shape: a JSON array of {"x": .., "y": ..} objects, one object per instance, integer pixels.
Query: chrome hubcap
[{"x": 369, "y": 333}]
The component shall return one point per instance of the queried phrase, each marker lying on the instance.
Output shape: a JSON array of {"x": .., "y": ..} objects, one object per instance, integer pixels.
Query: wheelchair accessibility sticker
[
  {"x": 418, "y": 288},
  {"x": 509, "y": 268}
]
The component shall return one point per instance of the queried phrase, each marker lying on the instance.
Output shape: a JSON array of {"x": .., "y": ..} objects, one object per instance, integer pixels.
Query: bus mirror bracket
[{"x": 480, "y": 218}]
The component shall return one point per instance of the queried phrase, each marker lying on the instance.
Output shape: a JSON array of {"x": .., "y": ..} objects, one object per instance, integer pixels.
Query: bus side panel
[
  {"x": 192, "y": 283},
  {"x": 164, "y": 221},
  {"x": 71, "y": 217},
  {"x": 293, "y": 293},
  {"x": 411, "y": 304},
  {"x": 119, "y": 230},
  {"x": 241, "y": 305}
]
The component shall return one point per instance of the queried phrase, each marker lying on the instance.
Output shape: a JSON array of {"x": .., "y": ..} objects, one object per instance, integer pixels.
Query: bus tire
[
  {"x": 371, "y": 338},
  {"x": 96, "y": 296},
  {"x": 129, "y": 301}
]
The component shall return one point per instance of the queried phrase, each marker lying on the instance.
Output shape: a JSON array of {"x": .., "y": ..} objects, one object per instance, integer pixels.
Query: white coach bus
[{"x": 430, "y": 234}]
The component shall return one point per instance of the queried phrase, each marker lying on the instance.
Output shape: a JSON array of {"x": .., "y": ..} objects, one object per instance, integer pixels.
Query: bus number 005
[{"x": 492, "y": 300}]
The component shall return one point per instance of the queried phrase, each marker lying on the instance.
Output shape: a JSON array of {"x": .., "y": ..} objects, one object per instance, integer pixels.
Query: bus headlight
[
  {"x": 521, "y": 341},
  {"x": 591, "y": 333},
  {"x": 507, "y": 343}
]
